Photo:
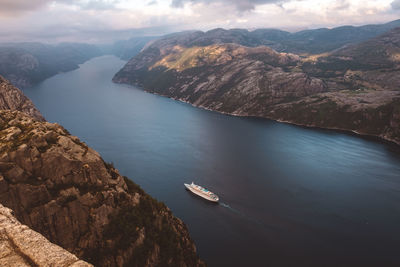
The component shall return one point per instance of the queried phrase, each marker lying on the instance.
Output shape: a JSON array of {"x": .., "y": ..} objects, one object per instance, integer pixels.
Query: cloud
[
  {"x": 241, "y": 5},
  {"x": 99, "y": 5},
  {"x": 11, "y": 7},
  {"x": 18, "y": 7},
  {"x": 104, "y": 20},
  {"x": 152, "y": 2},
  {"x": 396, "y": 4},
  {"x": 341, "y": 5}
]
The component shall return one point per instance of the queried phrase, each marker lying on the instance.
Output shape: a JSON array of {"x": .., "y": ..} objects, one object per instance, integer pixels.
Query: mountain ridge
[
  {"x": 314, "y": 41},
  {"x": 353, "y": 81}
]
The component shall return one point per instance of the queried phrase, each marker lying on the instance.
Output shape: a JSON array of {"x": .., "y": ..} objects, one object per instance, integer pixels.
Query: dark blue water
[{"x": 290, "y": 196}]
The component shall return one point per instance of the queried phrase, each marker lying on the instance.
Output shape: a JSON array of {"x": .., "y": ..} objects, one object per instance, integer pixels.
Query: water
[{"x": 289, "y": 195}]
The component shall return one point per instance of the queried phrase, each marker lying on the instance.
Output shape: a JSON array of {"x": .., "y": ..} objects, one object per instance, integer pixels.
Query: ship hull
[{"x": 194, "y": 191}]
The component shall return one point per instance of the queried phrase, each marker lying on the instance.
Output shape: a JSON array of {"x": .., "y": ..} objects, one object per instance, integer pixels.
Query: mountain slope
[
  {"x": 355, "y": 88},
  {"x": 227, "y": 78},
  {"x": 374, "y": 64},
  {"x": 61, "y": 188}
]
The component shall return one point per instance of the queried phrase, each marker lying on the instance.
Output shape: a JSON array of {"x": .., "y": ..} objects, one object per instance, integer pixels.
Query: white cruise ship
[{"x": 201, "y": 191}]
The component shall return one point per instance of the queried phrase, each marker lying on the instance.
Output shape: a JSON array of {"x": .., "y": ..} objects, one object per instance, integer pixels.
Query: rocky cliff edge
[
  {"x": 21, "y": 246},
  {"x": 58, "y": 186}
]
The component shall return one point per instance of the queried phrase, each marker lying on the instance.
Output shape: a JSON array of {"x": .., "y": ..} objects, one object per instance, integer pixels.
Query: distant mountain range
[
  {"x": 26, "y": 64},
  {"x": 304, "y": 42},
  {"x": 354, "y": 86}
]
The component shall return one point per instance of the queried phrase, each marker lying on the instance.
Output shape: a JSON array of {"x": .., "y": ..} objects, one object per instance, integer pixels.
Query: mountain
[
  {"x": 304, "y": 42},
  {"x": 354, "y": 88},
  {"x": 364, "y": 90},
  {"x": 325, "y": 40},
  {"x": 221, "y": 77},
  {"x": 26, "y": 64},
  {"x": 58, "y": 186}
]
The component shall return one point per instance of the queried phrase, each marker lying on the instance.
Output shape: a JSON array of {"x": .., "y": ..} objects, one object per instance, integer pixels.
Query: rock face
[
  {"x": 355, "y": 88},
  {"x": 21, "y": 246},
  {"x": 364, "y": 112},
  {"x": 13, "y": 99},
  {"x": 63, "y": 189}
]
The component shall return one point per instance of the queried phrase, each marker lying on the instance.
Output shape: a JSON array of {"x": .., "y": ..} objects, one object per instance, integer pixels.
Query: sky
[{"x": 98, "y": 21}]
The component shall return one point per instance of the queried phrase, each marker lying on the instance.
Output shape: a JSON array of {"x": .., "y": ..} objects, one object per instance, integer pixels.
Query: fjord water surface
[{"x": 290, "y": 196}]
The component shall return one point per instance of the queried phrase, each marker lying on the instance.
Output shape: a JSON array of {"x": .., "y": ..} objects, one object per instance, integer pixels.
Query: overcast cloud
[
  {"x": 106, "y": 20},
  {"x": 396, "y": 4},
  {"x": 241, "y": 5},
  {"x": 12, "y": 7}
]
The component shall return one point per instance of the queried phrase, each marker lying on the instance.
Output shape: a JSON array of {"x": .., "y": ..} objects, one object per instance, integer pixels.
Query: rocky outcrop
[
  {"x": 21, "y": 246},
  {"x": 13, "y": 99},
  {"x": 355, "y": 88},
  {"x": 63, "y": 189}
]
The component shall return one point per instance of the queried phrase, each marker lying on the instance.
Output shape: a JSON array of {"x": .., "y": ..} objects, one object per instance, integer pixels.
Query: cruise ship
[{"x": 202, "y": 192}]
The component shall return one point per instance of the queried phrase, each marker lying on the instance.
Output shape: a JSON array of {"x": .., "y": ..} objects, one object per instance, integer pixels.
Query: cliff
[
  {"x": 21, "y": 246},
  {"x": 354, "y": 88},
  {"x": 61, "y": 188},
  {"x": 13, "y": 99}
]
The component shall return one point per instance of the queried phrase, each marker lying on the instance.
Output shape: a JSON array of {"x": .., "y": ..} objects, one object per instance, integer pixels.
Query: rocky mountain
[
  {"x": 304, "y": 42},
  {"x": 23, "y": 247},
  {"x": 221, "y": 77},
  {"x": 58, "y": 186},
  {"x": 26, "y": 64},
  {"x": 13, "y": 99},
  {"x": 354, "y": 88},
  {"x": 326, "y": 40}
]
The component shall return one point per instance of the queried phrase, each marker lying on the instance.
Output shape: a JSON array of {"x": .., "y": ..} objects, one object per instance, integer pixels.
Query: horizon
[
  {"x": 105, "y": 21},
  {"x": 47, "y": 42}
]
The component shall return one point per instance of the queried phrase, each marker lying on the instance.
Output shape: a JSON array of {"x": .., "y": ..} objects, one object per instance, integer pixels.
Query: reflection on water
[{"x": 289, "y": 195}]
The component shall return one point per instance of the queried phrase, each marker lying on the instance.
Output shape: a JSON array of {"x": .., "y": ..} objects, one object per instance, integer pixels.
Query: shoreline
[{"x": 336, "y": 129}]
